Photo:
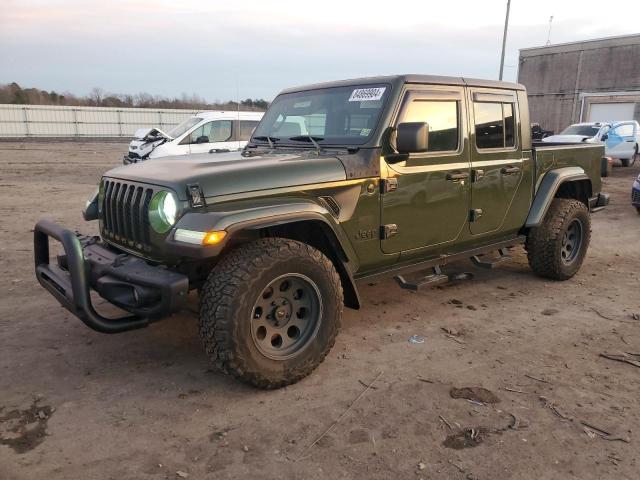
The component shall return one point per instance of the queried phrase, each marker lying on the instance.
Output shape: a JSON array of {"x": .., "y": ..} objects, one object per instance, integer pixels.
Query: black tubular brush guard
[{"x": 148, "y": 292}]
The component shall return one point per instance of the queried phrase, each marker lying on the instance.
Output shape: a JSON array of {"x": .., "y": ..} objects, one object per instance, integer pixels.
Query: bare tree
[{"x": 96, "y": 95}]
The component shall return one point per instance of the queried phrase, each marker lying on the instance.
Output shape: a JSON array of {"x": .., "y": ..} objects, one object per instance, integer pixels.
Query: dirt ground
[{"x": 78, "y": 404}]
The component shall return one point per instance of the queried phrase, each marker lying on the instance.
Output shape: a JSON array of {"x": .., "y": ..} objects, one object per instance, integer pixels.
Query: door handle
[
  {"x": 510, "y": 170},
  {"x": 455, "y": 176}
]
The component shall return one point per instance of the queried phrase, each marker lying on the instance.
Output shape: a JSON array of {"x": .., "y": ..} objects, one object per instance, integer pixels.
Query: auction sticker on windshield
[{"x": 367, "y": 94}]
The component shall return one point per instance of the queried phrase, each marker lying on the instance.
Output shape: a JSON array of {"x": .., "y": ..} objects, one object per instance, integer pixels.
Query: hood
[
  {"x": 150, "y": 134},
  {"x": 229, "y": 173},
  {"x": 566, "y": 138}
]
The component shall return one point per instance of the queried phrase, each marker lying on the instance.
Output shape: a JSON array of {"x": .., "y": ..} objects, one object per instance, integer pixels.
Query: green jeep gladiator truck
[{"x": 340, "y": 182}]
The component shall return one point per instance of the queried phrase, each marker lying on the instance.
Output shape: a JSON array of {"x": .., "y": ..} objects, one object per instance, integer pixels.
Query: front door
[
  {"x": 217, "y": 134},
  {"x": 426, "y": 197},
  {"x": 621, "y": 140},
  {"x": 496, "y": 158}
]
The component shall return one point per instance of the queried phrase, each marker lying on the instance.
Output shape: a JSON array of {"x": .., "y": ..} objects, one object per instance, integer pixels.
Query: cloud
[{"x": 215, "y": 48}]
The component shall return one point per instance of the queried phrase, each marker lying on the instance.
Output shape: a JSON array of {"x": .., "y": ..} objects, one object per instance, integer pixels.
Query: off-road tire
[
  {"x": 228, "y": 298},
  {"x": 544, "y": 243}
]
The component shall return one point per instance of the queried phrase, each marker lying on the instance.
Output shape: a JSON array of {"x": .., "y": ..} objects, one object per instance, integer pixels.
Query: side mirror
[
  {"x": 202, "y": 139},
  {"x": 412, "y": 137},
  {"x": 604, "y": 137}
]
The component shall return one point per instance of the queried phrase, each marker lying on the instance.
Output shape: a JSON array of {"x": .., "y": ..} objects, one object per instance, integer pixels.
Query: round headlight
[
  {"x": 163, "y": 211},
  {"x": 169, "y": 209}
]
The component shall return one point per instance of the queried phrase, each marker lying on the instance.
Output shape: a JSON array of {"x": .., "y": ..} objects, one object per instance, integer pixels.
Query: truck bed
[{"x": 552, "y": 155}]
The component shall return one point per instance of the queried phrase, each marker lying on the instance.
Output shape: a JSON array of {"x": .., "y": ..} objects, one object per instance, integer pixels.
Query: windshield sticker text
[{"x": 367, "y": 94}]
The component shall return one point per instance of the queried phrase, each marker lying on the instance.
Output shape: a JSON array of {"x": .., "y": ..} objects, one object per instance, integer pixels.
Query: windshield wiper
[
  {"x": 267, "y": 138},
  {"x": 308, "y": 138}
]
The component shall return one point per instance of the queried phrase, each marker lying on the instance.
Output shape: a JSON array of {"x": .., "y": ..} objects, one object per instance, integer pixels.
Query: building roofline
[{"x": 589, "y": 44}]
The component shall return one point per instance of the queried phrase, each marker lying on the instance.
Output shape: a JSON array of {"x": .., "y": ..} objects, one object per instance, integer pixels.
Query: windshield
[
  {"x": 338, "y": 115},
  {"x": 175, "y": 132},
  {"x": 584, "y": 130}
]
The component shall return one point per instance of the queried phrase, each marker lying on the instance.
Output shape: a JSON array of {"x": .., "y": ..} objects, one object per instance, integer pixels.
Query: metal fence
[{"x": 54, "y": 121}]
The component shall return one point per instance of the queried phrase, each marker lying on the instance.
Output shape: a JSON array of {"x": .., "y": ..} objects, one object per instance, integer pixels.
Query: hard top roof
[{"x": 411, "y": 78}]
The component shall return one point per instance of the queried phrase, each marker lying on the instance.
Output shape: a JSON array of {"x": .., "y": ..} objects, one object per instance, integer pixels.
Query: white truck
[{"x": 209, "y": 131}]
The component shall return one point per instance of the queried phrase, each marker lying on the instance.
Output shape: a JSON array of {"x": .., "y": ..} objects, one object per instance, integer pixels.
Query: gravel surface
[{"x": 78, "y": 404}]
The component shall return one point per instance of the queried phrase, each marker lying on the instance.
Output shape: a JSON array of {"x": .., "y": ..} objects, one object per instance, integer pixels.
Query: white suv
[{"x": 205, "y": 132}]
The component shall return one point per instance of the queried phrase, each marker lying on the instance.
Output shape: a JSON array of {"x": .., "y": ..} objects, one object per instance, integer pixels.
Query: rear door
[
  {"x": 426, "y": 197},
  {"x": 496, "y": 157},
  {"x": 621, "y": 140}
]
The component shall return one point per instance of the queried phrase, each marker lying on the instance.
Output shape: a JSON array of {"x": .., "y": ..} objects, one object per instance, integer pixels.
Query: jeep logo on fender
[{"x": 363, "y": 235}]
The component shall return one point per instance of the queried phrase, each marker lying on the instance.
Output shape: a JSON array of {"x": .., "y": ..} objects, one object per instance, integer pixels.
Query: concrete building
[{"x": 589, "y": 81}]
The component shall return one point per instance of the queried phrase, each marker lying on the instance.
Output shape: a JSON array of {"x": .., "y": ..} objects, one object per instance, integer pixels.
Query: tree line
[{"x": 13, "y": 93}]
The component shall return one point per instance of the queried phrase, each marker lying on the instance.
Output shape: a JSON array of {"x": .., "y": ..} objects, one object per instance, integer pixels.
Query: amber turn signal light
[{"x": 213, "y": 237}]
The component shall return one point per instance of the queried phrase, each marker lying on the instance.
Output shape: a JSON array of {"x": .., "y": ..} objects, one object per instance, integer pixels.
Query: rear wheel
[
  {"x": 270, "y": 312},
  {"x": 556, "y": 249}
]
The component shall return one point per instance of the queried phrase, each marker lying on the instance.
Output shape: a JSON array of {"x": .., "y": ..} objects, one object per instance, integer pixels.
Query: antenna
[{"x": 549, "y": 32}]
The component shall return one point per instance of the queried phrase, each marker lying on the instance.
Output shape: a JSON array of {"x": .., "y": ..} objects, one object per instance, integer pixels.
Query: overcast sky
[{"x": 259, "y": 47}]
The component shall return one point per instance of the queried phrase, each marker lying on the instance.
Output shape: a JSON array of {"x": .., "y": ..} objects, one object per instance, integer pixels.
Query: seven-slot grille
[
  {"x": 125, "y": 213},
  {"x": 635, "y": 196}
]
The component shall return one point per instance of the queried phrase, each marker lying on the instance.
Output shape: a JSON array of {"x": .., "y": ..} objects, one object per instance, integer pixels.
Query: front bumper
[
  {"x": 147, "y": 292},
  {"x": 598, "y": 202}
]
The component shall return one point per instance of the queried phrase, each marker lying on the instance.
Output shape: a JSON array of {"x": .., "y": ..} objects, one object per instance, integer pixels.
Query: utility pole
[{"x": 504, "y": 38}]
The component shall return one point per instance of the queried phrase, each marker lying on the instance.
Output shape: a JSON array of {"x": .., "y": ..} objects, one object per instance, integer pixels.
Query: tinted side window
[
  {"x": 489, "y": 125},
  {"x": 246, "y": 129},
  {"x": 509, "y": 125},
  {"x": 495, "y": 125},
  {"x": 442, "y": 118}
]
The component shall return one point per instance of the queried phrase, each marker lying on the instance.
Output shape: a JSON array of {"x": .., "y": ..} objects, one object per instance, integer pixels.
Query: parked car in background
[
  {"x": 635, "y": 194},
  {"x": 621, "y": 139},
  {"x": 538, "y": 133},
  {"x": 202, "y": 133}
]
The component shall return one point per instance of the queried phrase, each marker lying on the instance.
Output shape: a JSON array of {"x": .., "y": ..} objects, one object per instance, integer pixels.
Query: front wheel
[
  {"x": 556, "y": 249},
  {"x": 270, "y": 311}
]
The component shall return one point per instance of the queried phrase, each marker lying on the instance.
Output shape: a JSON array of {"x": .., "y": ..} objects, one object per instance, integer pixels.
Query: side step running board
[
  {"x": 431, "y": 280},
  {"x": 434, "y": 265},
  {"x": 483, "y": 262}
]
